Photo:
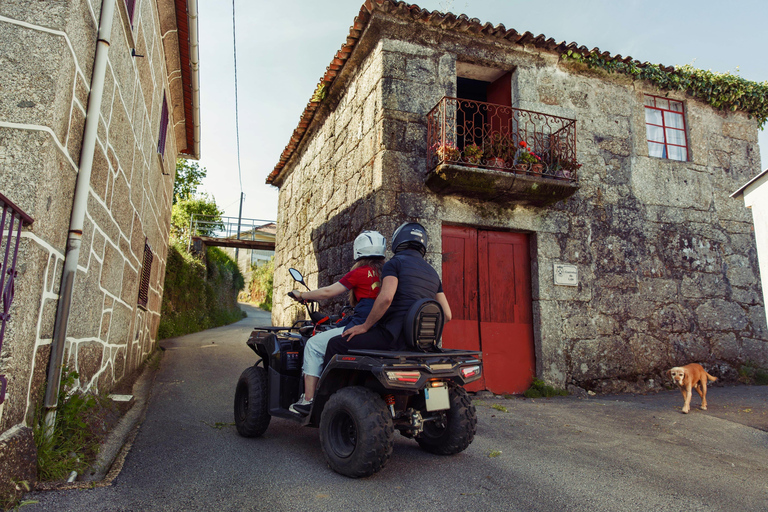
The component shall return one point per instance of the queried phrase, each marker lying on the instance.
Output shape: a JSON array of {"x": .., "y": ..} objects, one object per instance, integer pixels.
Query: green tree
[
  {"x": 198, "y": 205},
  {"x": 189, "y": 176}
]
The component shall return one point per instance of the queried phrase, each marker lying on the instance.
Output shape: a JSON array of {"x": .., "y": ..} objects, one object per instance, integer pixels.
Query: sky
[{"x": 283, "y": 49}]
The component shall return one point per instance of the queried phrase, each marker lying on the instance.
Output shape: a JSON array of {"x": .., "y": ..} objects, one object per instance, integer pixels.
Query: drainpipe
[
  {"x": 76, "y": 222},
  {"x": 194, "y": 67}
]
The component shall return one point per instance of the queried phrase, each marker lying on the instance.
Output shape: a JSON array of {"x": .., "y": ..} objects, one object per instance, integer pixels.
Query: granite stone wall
[
  {"x": 666, "y": 260},
  {"x": 46, "y": 77}
]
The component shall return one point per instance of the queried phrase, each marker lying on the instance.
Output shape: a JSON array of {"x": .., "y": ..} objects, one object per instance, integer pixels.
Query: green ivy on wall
[{"x": 723, "y": 91}]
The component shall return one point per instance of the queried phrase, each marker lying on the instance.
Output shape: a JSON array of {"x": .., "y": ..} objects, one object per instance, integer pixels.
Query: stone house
[
  {"x": 98, "y": 99},
  {"x": 618, "y": 257}
]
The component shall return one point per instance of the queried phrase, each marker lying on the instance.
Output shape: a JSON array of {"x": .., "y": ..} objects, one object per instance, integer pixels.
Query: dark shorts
[{"x": 376, "y": 339}]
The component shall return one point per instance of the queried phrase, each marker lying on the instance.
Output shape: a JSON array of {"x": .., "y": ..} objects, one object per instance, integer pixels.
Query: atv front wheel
[
  {"x": 455, "y": 430},
  {"x": 356, "y": 432},
  {"x": 251, "y": 402}
]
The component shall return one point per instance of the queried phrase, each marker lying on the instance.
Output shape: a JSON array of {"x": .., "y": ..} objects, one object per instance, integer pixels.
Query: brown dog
[{"x": 691, "y": 376}]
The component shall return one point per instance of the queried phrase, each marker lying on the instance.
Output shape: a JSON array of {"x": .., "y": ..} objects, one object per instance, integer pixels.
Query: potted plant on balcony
[
  {"x": 447, "y": 152},
  {"x": 473, "y": 154},
  {"x": 497, "y": 151},
  {"x": 524, "y": 160},
  {"x": 566, "y": 169}
]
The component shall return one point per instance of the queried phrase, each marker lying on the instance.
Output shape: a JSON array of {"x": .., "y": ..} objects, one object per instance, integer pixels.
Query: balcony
[{"x": 500, "y": 154}]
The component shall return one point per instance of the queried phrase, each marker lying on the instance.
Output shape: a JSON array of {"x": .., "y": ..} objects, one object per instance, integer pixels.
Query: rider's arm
[
  {"x": 380, "y": 306},
  {"x": 326, "y": 292},
  {"x": 444, "y": 303}
]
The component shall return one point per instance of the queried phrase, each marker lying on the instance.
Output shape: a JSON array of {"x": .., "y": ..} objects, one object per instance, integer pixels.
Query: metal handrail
[{"x": 16, "y": 219}]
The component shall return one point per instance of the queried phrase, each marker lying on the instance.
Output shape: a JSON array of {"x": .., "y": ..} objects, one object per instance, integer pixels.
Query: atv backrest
[{"x": 423, "y": 325}]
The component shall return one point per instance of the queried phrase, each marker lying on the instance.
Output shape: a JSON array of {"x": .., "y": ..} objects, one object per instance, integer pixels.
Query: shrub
[
  {"x": 261, "y": 286},
  {"x": 198, "y": 295},
  {"x": 539, "y": 389}
]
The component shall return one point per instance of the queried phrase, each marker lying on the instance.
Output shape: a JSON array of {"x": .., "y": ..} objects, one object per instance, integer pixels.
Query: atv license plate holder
[{"x": 437, "y": 398}]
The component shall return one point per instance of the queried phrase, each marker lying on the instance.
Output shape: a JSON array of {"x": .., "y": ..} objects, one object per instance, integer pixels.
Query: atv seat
[{"x": 423, "y": 325}]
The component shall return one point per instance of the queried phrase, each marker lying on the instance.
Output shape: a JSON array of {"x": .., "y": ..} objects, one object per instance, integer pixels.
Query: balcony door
[{"x": 487, "y": 280}]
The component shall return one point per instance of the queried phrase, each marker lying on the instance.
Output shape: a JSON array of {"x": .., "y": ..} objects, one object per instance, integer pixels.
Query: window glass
[
  {"x": 650, "y": 101},
  {"x": 677, "y": 153},
  {"x": 672, "y": 120},
  {"x": 662, "y": 103},
  {"x": 656, "y": 150},
  {"x": 676, "y": 137},
  {"x": 655, "y": 133},
  {"x": 653, "y": 116}
]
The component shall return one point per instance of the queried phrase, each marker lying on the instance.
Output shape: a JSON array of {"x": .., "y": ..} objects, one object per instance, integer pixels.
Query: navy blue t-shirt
[{"x": 416, "y": 279}]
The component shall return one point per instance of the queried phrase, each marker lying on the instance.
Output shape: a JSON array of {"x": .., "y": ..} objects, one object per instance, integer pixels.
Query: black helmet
[{"x": 410, "y": 235}]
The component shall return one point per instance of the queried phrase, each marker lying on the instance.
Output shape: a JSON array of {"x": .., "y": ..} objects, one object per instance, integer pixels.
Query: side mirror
[{"x": 296, "y": 275}]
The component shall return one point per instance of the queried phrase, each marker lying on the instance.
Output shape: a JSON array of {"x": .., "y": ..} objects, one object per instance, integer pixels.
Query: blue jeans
[{"x": 314, "y": 351}]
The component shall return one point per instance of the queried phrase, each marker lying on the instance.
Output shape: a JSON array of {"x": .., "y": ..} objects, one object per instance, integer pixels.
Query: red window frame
[{"x": 666, "y": 144}]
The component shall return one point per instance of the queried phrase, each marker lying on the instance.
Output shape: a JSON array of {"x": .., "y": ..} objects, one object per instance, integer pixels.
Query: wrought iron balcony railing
[
  {"x": 13, "y": 218},
  {"x": 477, "y": 134}
]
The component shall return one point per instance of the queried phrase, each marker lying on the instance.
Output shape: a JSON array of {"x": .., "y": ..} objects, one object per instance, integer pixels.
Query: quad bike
[{"x": 364, "y": 396}]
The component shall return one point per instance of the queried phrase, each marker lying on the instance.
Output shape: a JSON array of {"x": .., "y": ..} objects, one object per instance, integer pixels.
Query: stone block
[
  {"x": 721, "y": 315},
  {"x": 112, "y": 270},
  {"x": 89, "y": 360},
  {"x": 696, "y": 285},
  {"x": 664, "y": 183},
  {"x": 18, "y": 460},
  {"x": 671, "y": 318},
  {"x": 87, "y": 301}
]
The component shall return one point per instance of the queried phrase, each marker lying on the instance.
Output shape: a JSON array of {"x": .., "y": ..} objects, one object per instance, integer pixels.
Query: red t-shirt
[{"x": 364, "y": 281}]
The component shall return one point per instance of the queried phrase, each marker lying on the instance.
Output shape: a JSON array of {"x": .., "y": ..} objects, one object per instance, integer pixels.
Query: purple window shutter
[
  {"x": 146, "y": 272},
  {"x": 130, "y": 5},
  {"x": 163, "y": 127}
]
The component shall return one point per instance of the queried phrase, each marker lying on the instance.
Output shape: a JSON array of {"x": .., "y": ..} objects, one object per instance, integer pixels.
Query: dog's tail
[{"x": 710, "y": 378}]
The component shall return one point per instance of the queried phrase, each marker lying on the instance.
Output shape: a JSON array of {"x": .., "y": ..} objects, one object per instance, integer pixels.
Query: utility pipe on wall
[{"x": 82, "y": 187}]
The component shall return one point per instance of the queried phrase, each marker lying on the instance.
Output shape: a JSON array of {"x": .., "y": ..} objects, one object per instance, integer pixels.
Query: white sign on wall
[{"x": 566, "y": 275}]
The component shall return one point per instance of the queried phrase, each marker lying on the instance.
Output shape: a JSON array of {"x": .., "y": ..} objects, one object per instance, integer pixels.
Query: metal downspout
[
  {"x": 194, "y": 65},
  {"x": 82, "y": 187}
]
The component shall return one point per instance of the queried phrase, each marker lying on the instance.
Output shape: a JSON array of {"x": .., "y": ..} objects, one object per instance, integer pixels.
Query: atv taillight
[
  {"x": 404, "y": 376},
  {"x": 470, "y": 371}
]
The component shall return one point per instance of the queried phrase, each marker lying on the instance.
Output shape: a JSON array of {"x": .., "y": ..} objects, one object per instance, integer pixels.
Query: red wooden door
[
  {"x": 486, "y": 274},
  {"x": 499, "y": 92},
  {"x": 460, "y": 263}
]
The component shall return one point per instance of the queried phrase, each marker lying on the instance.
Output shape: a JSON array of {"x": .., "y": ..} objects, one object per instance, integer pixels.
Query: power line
[{"x": 237, "y": 120}]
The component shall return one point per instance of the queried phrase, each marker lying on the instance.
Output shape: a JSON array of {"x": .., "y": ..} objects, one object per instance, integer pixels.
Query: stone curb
[{"x": 111, "y": 457}]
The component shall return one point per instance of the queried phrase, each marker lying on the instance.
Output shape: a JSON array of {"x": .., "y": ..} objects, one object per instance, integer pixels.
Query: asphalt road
[{"x": 598, "y": 454}]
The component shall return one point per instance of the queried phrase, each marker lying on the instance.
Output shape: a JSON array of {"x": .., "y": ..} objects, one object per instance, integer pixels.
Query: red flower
[{"x": 523, "y": 144}]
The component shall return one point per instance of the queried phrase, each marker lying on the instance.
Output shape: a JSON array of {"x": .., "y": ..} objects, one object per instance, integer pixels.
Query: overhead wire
[{"x": 237, "y": 119}]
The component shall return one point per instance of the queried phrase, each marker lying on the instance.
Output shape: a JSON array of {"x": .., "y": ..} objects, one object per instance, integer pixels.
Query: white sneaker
[{"x": 302, "y": 406}]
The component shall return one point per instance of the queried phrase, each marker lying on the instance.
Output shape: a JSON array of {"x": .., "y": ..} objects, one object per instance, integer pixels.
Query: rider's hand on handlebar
[{"x": 296, "y": 295}]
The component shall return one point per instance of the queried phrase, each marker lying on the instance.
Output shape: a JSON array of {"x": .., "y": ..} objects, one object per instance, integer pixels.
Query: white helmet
[{"x": 369, "y": 244}]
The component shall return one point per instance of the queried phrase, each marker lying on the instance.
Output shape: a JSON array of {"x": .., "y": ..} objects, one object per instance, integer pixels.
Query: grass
[
  {"x": 750, "y": 373},
  {"x": 73, "y": 442},
  {"x": 499, "y": 408},
  {"x": 539, "y": 389}
]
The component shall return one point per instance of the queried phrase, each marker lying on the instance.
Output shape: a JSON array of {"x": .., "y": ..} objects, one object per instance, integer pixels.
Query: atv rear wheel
[
  {"x": 251, "y": 402},
  {"x": 356, "y": 432},
  {"x": 454, "y": 432}
]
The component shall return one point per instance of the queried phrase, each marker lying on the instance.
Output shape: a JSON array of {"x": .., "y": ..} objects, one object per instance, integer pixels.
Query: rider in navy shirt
[{"x": 405, "y": 279}]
